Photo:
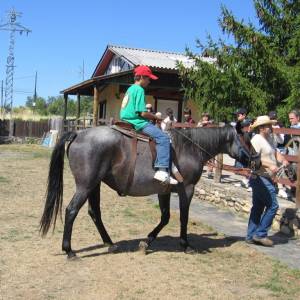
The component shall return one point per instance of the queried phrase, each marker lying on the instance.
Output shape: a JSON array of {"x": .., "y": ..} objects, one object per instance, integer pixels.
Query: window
[{"x": 116, "y": 65}]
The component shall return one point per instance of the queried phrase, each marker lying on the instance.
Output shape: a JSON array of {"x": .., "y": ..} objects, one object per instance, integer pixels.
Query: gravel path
[{"x": 285, "y": 250}]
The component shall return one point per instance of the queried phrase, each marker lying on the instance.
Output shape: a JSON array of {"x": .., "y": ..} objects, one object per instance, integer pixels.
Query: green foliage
[
  {"x": 260, "y": 71},
  {"x": 55, "y": 106}
]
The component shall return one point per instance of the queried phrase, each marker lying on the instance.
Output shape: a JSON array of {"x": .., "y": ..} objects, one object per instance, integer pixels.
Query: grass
[
  {"x": 222, "y": 268},
  {"x": 3, "y": 179},
  {"x": 281, "y": 280},
  {"x": 24, "y": 151}
]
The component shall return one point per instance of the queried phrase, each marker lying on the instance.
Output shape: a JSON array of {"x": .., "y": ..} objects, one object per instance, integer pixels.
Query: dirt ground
[{"x": 36, "y": 268}]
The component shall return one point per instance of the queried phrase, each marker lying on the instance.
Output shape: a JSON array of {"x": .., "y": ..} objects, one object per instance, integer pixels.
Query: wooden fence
[
  {"x": 220, "y": 166},
  {"x": 36, "y": 129}
]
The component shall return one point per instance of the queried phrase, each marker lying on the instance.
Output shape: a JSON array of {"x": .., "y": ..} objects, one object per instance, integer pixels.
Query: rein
[{"x": 196, "y": 144}]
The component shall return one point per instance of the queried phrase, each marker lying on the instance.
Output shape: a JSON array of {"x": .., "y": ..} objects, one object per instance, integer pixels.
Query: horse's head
[{"x": 237, "y": 148}]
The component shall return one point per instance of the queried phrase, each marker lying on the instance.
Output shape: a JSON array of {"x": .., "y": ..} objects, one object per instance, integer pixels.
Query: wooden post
[
  {"x": 219, "y": 166},
  {"x": 65, "y": 113},
  {"x": 78, "y": 110},
  {"x": 298, "y": 183},
  {"x": 96, "y": 106},
  {"x": 65, "y": 106}
]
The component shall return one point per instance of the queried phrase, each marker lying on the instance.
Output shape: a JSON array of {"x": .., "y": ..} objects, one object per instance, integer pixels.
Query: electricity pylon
[{"x": 13, "y": 27}]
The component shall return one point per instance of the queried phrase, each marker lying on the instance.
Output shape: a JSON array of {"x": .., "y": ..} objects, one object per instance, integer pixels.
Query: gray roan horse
[{"x": 103, "y": 154}]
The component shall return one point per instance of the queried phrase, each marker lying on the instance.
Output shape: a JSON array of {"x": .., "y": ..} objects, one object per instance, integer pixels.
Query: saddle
[{"x": 128, "y": 130}]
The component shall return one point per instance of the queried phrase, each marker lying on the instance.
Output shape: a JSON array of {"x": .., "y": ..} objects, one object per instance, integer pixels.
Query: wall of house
[
  {"x": 111, "y": 95},
  {"x": 113, "y": 100}
]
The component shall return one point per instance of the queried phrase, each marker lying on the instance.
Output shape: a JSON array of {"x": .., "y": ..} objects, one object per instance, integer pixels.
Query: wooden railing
[
  {"x": 83, "y": 123},
  {"x": 219, "y": 165}
]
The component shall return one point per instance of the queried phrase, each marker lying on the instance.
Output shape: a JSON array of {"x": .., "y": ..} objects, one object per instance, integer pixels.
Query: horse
[{"x": 103, "y": 154}]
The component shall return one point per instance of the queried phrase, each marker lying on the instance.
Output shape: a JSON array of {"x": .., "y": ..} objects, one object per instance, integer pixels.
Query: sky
[{"x": 66, "y": 33}]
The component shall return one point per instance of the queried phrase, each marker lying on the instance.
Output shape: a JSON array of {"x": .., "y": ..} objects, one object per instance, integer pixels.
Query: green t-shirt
[{"x": 134, "y": 103}]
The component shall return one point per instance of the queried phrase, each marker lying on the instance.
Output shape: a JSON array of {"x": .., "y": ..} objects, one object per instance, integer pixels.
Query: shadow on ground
[{"x": 201, "y": 243}]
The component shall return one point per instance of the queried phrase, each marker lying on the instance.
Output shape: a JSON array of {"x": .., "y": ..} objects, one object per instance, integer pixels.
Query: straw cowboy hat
[{"x": 262, "y": 120}]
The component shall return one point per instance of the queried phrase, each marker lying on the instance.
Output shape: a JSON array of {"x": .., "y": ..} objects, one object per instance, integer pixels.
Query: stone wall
[{"x": 239, "y": 201}]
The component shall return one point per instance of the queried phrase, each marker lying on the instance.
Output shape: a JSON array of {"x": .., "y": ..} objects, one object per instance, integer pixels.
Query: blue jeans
[
  {"x": 264, "y": 207},
  {"x": 162, "y": 141}
]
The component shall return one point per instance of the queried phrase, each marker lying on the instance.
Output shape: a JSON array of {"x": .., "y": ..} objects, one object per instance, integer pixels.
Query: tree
[
  {"x": 40, "y": 106},
  {"x": 260, "y": 70},
  {"x": 56, "y": 106}
]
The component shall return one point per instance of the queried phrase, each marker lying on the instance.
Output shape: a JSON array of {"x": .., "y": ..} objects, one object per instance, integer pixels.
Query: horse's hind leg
[
  {"x": 72, "y": 210},
  {"x": 164, "y": 204},
  {"x": 95, "y": 213}
]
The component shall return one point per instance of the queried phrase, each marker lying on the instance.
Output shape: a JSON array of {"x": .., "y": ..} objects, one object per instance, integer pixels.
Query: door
[{"x": 163, "y": 104}]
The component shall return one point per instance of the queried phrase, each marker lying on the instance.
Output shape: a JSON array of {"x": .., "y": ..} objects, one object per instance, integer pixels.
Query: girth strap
[
  {"x": 133, "y": 160},
  {"x": 132, "y": 164}
]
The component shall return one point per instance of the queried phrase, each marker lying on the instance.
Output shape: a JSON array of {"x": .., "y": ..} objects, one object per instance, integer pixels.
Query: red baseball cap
[{"x": 144, "y": 71}]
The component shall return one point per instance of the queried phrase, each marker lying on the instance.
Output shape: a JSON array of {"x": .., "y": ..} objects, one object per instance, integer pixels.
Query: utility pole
[
  {"x": 81, "y": 70},
  {"x": 35, "y": 82},
  {"x": 1, "y": 108},
  {"x": 13, "y": 27},
  {"x": 35, "y": 95}
]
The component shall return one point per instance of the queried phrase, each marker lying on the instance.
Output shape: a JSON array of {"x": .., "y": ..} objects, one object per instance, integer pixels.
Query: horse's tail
[{"x": 54, "y": 194}]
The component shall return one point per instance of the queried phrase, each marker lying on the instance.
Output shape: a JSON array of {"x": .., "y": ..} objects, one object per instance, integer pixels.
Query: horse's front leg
[
  {"x": 185, "y": 196},
  {"x": 164, "y": 204}
]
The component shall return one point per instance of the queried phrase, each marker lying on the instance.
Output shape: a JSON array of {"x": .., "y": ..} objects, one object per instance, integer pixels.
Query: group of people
[{"x": 257, "y": 133}]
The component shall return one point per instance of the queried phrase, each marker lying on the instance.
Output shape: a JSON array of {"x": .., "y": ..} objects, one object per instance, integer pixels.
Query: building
[{"x": 114, "y": 74}]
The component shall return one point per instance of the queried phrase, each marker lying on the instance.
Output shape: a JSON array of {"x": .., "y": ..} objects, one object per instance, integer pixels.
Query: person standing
[
  {"x": 241, "y": 115},
  {"x": 205, "y": 122},
  {"x": 187, "y": 114},
  {"x": 294, "y": 118},
  {"x": 134, "y": 111},
  {"x": 165, "y": 124},
  {"x": 278, "y": 142},
  {"x": 264, "y": 200}
]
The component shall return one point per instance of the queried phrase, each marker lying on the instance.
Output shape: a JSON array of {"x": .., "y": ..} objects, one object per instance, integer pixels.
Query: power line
[
  {"x": 24, "y": 77},
  {"x": 12, "y": 26}
]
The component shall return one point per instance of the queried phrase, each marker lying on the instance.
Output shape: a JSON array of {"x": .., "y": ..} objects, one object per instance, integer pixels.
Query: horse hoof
[
  {"x": 72, "y": 256},
  {"x": 143, "y": 246},
  {"x": 112, "y": 248},
  {"x": 189, "y": 250}
]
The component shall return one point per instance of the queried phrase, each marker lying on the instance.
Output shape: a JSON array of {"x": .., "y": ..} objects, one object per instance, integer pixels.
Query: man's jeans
[
  {"x": 162, "y": 141},
  {"x": 264, "y": 207}
]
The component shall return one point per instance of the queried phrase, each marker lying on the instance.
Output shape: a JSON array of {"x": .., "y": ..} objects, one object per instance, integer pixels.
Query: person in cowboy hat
[
  {"x": 264, "y": 199},
  {"x": 134, "y": 111}
]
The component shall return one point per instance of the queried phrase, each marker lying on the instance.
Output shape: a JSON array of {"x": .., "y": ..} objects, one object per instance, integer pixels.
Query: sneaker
[
  {"x": 164, "y": 177},
  {"x": 245, "y": 183},
  {"x": 249, "y": 241},
  {"x": 176, "y": 173},
  {"x": 283, "y": 194},
  {"x": 264, "y": 241},
  {"x": 238, "y": 184}
]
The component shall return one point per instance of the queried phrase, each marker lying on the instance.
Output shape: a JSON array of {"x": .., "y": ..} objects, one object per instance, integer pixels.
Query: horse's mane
[{"x": 207, "y": 138}]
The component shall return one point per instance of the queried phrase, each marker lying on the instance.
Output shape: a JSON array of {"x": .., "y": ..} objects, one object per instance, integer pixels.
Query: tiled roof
[{"x": 153, "y": 58}]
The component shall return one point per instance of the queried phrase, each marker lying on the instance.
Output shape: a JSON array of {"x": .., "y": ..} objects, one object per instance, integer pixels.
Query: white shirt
[
  {"x": 165, "y": 122},
  {"x": 267, "y": 152}
]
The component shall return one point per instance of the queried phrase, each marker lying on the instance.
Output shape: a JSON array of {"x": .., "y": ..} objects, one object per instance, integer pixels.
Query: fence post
[
  {"x": 298, "y": 183},
  {"x": 219, "y": 166}
]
